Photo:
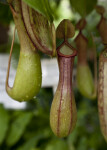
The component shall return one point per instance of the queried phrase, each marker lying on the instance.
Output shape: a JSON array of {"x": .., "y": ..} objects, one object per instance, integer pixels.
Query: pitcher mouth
[{"x": 64, "y": 52}]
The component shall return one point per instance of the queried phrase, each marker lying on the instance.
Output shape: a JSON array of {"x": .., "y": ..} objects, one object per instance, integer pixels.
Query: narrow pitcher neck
[
  {"x": 81, "y": 43},
  {"x": 65, "y": 70}
]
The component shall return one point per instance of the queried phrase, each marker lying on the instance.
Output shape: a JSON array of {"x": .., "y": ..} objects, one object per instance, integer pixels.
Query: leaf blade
[
  {"x": 42, "y": 6},
  {"x": 4, "y": 120},
  {"x": 18, "y": 127},
  {"x": 83, "y": 7}
]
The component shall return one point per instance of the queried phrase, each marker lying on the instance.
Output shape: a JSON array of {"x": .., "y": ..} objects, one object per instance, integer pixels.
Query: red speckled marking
[
  {"x": 101, "y": 100},
  {"x": 38, "y": 40},
  {"x": 47, "y": 51}
]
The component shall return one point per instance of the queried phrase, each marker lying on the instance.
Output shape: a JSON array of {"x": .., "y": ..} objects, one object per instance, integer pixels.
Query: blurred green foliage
[
  {"x": 4, "y": 120},
  {"x": 5, "y": 15},
  {"x": 30, "y": 130},
  {"x": 83, "y": 7}
]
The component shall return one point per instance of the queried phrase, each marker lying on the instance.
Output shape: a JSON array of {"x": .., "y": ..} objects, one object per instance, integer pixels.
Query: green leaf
[
  {"x": 82, "y": 145},
  {"x": 57, "y": 145},
  {"x": 42, "y": 6},
  {"x": 5, "y": 14},
  {"x": 4, "y": 120},
  {"x": 30, "y": 144},
  {"x": 72, "y": 138},
  {"x": 83, "y": 7},
  {"x": 18, "y": 127}
]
